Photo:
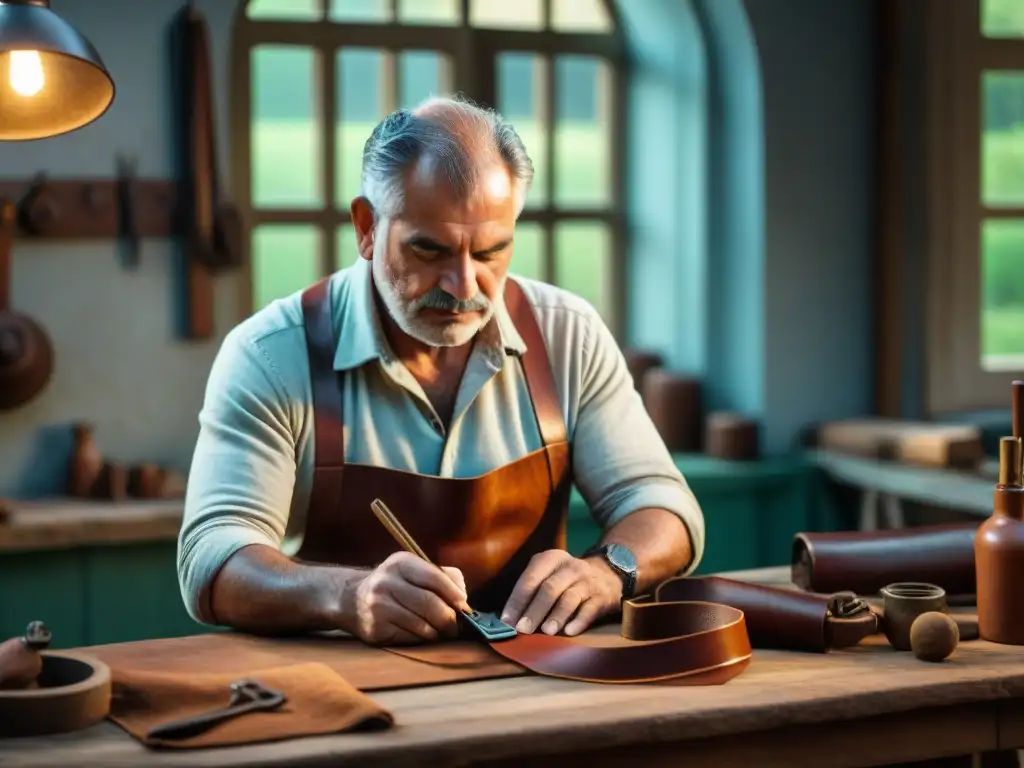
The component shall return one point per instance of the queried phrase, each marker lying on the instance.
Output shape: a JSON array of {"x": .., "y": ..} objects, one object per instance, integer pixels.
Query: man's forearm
[
  {"x": 658, "y": 539},
  {"x": 262, "y": 591}
]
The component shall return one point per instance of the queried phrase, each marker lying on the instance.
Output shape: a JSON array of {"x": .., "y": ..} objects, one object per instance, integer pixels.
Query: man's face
[{"x": 442, "y": 263}]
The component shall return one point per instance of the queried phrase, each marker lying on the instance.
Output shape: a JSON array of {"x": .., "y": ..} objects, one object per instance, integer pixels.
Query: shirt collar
[{"x": 361, "y": 336}]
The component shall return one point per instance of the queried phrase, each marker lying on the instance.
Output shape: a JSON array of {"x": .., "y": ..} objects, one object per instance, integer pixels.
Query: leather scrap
[{"x": 319, "y": 701}]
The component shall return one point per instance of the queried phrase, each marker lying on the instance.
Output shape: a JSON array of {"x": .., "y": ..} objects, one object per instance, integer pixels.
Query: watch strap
[{"x": 628, "y": 579}]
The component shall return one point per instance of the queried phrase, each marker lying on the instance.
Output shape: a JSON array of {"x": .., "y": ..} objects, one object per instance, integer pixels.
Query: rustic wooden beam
[
  {"x": 84, "y": 209},
  {"x": 111, "y": 209}
]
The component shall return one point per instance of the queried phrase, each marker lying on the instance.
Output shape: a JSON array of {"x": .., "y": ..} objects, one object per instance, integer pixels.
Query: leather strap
[
  {"x": 329, "y": 432},
  {"x": 691, "y": 642},
  {"x": 325, "y": 384},
  {"x": 536, "y": 366},
  {"x": 696, "y": 631}
]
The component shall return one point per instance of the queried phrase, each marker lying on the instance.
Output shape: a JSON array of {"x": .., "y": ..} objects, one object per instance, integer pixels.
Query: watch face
[{"x": 621, "y": 558}]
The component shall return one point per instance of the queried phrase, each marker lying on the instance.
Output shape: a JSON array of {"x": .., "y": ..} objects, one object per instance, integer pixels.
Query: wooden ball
[{"x": 933, "y": 636}]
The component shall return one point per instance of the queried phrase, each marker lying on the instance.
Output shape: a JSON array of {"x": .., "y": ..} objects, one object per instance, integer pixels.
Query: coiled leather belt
[{"x": 692, "y": 631}]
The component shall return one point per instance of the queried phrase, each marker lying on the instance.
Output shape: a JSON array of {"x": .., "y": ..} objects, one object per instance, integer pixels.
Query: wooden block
[
  {"x": 919, "y": 443},
  {"x": 674, "y": 403},
  {"x": 731, "y": 436}
]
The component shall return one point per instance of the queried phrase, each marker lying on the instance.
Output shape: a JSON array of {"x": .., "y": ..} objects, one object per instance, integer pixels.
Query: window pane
[
  {"x": 345, "y": 251},
  {"x": 439, "y": 12},
  {"x": 285, "y": 259},
  {"x": 580, "y": 16},
  {"x": 290, "y": 10},
  {"x": 1002, "y": 301},
  {"x": 582, "y": 128},
  {"x": 506, "y": 14},
  {"x": 1002, "y": 166},
  {"x": 528, "y": 251},
  {"x": 422, "y": 74},
  {"x": 286, "y": 152},
  {"x": 520, "y": 92},
  {"x": 583, "y": 262},
  {"x": 365, "y": 86},
  {"x": 361, "y": 10},
  {"x": 1002, "y": 18}
]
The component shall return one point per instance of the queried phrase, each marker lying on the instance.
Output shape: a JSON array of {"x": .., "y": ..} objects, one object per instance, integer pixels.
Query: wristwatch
[{"x": 620, "y": 560}]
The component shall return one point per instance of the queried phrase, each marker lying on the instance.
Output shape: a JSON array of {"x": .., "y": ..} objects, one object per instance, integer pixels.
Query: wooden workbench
[{"x": 863, "y": 706}]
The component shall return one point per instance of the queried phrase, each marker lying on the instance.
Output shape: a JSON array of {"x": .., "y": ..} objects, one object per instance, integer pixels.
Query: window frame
[
  {"x": 958, "y": 55},
  {"x": 462, "y": 43}
]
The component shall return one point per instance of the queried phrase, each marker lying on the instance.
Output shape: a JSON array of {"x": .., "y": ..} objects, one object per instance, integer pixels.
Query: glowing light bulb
[{"x": 26, "y": 73}]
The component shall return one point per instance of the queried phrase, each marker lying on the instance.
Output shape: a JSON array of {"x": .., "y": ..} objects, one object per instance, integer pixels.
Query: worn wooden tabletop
[{"x": 862, "y": 706}]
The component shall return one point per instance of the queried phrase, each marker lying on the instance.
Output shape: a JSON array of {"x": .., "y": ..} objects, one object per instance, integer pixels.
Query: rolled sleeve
[
  {"x": 620, "y": 462},
  {"x": 243, "y": 470}
]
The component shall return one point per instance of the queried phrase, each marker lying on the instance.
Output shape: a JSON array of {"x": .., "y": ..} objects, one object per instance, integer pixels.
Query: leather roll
[
  {"x": 865, "y": 561},
  {"x": 674, "y": 404},
  {"x": 783, "y": 619}
]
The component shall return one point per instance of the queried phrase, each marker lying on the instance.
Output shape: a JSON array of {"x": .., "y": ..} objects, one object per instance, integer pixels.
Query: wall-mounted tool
[
  {"x": 127, "y": 220},
  {"x": 89, "y": 209},
  {"x": 26, "y": 354},
  {"x": 214, "y": 230}
]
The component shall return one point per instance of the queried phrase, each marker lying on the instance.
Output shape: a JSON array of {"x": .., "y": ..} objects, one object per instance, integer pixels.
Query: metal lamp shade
[{"x": 52, "y": 80}]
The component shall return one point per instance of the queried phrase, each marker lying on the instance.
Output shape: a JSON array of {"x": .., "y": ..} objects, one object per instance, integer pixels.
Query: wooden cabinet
[{"x": 94, "y": 594}]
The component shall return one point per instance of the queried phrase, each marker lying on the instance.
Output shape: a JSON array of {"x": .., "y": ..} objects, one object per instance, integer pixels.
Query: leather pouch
[{"x": 865, "y": 561}]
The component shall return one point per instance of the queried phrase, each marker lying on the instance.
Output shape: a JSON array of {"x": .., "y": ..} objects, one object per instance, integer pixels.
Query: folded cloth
[{"x": 318, "y": 701}]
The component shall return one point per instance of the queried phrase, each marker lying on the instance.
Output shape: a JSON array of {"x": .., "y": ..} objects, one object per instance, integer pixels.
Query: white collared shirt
[{"x": 252, "y": 470}]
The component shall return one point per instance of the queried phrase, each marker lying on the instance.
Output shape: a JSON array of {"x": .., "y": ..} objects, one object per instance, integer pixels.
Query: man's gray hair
[{"x": 455, "y": 134}]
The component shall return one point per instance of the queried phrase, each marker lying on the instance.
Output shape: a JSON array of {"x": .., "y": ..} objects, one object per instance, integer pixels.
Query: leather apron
[{"x": 488, "y": 526}]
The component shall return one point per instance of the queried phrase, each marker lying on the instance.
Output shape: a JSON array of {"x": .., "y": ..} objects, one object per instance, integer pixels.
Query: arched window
[{"x": 310, "y": 78}]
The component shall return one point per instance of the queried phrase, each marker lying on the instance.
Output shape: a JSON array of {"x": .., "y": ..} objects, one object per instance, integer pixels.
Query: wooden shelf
[{"x": 64, "y": 523}]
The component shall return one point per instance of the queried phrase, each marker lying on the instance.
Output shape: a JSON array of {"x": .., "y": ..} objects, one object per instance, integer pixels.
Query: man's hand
[
  {"x": 558, "y": 590},
  {"x": 407, "y": 600}
]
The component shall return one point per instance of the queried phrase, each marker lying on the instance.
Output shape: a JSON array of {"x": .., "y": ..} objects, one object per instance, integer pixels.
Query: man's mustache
[{"x": 438, "y": 298}]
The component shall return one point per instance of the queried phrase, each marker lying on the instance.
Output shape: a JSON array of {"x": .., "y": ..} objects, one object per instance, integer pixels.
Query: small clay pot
[{"x": 902, "y": 603}]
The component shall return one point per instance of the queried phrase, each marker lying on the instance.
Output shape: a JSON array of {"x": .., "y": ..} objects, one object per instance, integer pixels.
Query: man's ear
[{"x": 363, "y": 220}]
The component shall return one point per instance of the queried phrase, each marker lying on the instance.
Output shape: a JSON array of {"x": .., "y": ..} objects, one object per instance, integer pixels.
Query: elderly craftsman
[{"x": 466, "y": 399}]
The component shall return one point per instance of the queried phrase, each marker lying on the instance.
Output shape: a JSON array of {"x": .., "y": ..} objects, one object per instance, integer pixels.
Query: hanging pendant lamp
[{"x": 52, "y": 80}]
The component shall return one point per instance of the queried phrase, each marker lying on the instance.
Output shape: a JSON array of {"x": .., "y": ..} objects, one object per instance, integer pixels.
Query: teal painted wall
[
  {"x": 752, "y": 266},
  {"x": 818, "y": 81}
]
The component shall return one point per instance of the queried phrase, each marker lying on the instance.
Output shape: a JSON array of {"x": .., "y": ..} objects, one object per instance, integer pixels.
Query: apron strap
[
  {"x": 328, "y": 417},
  {"x": 536, "y": 367},
  {"x": 329, "y": 431}
]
